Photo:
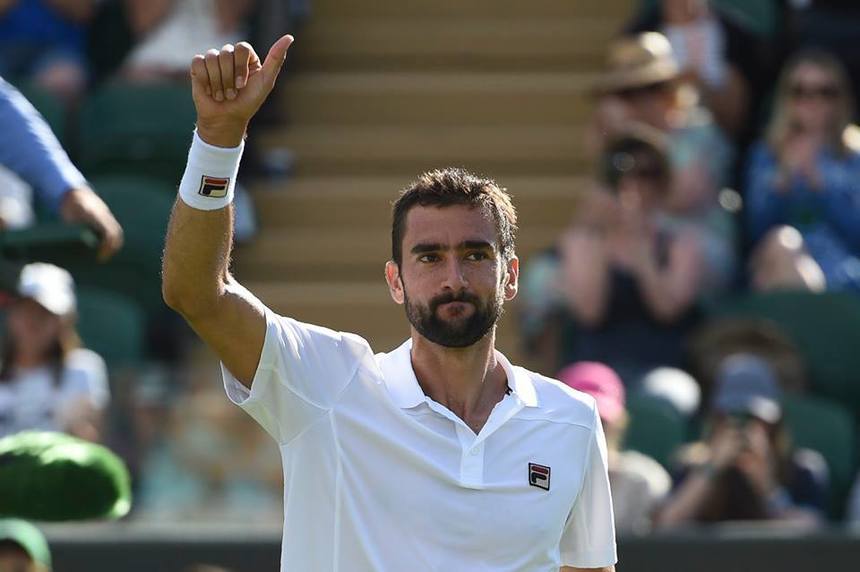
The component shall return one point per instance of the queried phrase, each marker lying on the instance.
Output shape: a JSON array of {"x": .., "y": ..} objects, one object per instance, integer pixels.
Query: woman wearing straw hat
[{"x": 643, "y": 83}]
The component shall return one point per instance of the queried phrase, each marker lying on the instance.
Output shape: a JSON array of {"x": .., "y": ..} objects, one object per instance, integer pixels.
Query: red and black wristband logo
[
  {"x": 539, "y": 476},
  {"x": 214, "y": 187}
]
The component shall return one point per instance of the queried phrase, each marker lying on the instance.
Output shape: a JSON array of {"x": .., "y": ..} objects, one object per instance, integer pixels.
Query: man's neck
[{"x": 468, "y": 381}]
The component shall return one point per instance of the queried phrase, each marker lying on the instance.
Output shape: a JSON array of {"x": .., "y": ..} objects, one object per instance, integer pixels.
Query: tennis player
[{"x": 437, "y": 456}]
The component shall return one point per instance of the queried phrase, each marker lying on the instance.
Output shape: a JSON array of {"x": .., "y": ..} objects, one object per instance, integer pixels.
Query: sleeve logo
[
  {"x": 539, "y": 476},
  {"x": 213, "y": 187}
]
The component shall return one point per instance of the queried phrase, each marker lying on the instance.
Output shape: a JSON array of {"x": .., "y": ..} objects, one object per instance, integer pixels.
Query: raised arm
[{"x": 228, "y": 87}]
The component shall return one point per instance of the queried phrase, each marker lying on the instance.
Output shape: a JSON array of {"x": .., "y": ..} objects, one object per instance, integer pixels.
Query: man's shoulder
[
  {"x": 559, "y": 403},
  {"x": 279, "y": 325}
]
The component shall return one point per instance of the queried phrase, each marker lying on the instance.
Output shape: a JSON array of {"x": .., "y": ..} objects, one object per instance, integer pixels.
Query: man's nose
[{"x": 455, "y": 278}]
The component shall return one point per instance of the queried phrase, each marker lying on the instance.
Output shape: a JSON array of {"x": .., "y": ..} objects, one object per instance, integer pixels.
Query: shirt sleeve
[
  {"x": 588, "y": 540},
  {"x": 30, "y": 149},
  {"x": 303, "y": 370}
]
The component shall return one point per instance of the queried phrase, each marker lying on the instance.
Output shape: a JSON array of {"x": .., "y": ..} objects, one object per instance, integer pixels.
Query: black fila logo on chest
[{"x": 539, "y": 476}]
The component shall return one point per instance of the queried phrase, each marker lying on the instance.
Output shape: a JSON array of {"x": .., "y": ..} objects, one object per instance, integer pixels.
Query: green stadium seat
[
  {"x": 656, "y": 428},
  {"x": 48, "y": 105},
  {"x": 48, "y": 242},
  {"x": 826, "y": 427},
  {"x": 140, "y": 129},
  {"x": 111, "y": 325},
  {"x": 142, "y": 206},
  {"x": 824, "y": 327}
]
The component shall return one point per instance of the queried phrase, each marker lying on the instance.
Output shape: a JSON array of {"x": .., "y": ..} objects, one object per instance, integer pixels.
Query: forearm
[
  {"x": 658, "y": 293},
  {"x": 586, "y": 297},
  {"x": 198, "y": 244},
  {"x": 584, "y": 276},
  {"x": 31, "y": 150},
  {"x": 686, "y": 503},
  {"x": 196, "y": 258}
]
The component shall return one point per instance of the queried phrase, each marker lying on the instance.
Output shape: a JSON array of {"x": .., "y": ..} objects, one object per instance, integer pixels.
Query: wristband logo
[{"x": 213, "y": 187}]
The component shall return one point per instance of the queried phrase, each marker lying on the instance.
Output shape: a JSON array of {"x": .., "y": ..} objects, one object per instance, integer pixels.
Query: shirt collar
[{"x": 403, "y": 387}]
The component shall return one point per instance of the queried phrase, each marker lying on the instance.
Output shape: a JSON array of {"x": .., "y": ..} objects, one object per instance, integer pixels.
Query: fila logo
[
  {"x": 539, "y": 476},
  {"x": 213, "y": 187}
]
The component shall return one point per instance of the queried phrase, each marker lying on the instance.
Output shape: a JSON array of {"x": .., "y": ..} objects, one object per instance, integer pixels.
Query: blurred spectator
[
  {"x": 826, "y": 24},
  {"x": 43, "y": 42},
  {"x": 32, "y": 152},
  {"x": 172, "y": 32},
  {"x": 803, "y": 207},
  {"x": 722, "y": 337},
  {"x": 207, "y": 460},
  {"x": 746, "y": 469},
  {"x": 638, "y": 482},
  {"x": 23, "y": 547},
  {"x": 47, "y": 381},
  {"x": 716, "y": 52},
  {"x": 622, "y": 283},
  {"x": 643, "y": 83}
]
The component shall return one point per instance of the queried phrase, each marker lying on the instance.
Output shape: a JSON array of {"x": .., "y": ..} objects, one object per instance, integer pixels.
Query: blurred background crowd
[{"x": 703, "y": 283}]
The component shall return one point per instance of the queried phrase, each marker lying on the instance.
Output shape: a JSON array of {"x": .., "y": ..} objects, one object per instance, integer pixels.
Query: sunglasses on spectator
[{"x": 801, "y": 91}]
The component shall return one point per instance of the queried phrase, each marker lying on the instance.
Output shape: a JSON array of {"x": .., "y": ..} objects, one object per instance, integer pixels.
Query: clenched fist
[{"x": 230, "y": 85}]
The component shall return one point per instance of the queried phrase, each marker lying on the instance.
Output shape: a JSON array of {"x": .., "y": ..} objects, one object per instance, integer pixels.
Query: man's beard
[{"x": 459, "y": 332}]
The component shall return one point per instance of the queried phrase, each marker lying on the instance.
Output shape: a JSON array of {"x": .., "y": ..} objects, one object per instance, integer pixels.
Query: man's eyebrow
[
  {"x": 477, "y": 245},
  {"x": 425, "y": 247}
]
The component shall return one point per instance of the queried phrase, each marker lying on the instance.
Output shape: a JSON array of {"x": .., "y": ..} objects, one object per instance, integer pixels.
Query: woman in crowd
[
  {"x": 630, "y": 280},
  {"x": 47, "y": 381},
  {"x": 625, "y": 282},
  {"x": 803, "y": 203},
  {"x": 643, "y": 83}
]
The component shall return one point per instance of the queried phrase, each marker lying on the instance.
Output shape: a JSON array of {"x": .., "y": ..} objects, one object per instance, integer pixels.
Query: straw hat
[{"x": 637, "y": 61}]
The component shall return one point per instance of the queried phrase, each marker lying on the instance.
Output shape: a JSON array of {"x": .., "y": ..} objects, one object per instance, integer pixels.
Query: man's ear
[
  {"x": 512, "y": 277},
  {"x": 395, "y": 283}
]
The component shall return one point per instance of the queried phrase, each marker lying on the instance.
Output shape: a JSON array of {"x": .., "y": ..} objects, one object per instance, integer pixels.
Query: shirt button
[{"x": 474, "y": 451}]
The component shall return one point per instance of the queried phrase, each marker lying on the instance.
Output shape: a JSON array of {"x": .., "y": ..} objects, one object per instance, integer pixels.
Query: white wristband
[{"x": 210, "y": 175}]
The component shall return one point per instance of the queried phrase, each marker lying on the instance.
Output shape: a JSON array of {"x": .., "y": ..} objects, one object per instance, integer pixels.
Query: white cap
[
  {"x": 675, "y": 386},
  {"x": 51, "y": 286}
]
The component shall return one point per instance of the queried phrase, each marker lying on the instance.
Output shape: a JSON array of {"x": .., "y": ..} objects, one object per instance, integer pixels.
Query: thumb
[{"x": 276, "y": 57}]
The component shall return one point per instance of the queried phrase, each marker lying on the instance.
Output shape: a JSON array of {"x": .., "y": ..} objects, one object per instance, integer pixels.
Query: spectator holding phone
[{"x": 745, "y": 468}]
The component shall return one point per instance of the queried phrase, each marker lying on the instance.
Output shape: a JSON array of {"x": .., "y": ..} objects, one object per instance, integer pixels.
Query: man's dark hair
[{"x": 455, "y": 186}]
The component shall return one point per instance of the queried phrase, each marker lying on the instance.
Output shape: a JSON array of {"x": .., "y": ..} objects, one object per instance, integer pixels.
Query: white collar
[{"x": 402, "y": 385}]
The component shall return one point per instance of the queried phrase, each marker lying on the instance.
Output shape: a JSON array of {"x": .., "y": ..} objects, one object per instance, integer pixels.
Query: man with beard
[{"x": 440, "y": 455}]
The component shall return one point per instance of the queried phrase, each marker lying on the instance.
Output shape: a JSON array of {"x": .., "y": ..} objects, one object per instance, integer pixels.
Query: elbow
[{"x": 188, "y": 300}]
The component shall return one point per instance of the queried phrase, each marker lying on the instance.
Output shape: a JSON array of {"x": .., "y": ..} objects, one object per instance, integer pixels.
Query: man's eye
[
  {"x": 428, "y": 258},
  {"x": 475, "y": 256}
]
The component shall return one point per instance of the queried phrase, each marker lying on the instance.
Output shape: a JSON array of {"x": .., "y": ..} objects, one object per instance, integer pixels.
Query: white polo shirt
[{"x": 380, "y": 478}]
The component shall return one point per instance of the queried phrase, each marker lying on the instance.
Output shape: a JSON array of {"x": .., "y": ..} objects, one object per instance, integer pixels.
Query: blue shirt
[
  {"x": 35, "y": 22},
  {"x": 31, "y": 150}
]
